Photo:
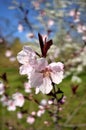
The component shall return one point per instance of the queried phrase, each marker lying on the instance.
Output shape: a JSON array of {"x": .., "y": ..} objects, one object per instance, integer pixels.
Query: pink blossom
[
  {"x": 18, "y": 99},
  {"x": 27, "y": 87},
  {"x": 30, "y": 35},
  {"x": 43, "y": 102},
  {"x": 30, "y": 119},
  {"x": 77, "y": 19},
  {"x": 33, "y": 113},
  {"x": 79, "y": 28},
  {"x": 72, "y": 13},
  {"x": 12, "y": 58},
  {"x": 84, "y": 38},
  {"x": 45, "y": 74},
  {"x": 11, "y": 105},
  {"x": 4, "y": 100},
  {"x": 2, "y": 89},
  {"x": 36, "y": 4},
  {"x": 84, "y": 27},
  {"x": 27, "y": 58},
  {"x": 20, "y": 27},
  {"x": 19, "y": 115},
  {"x": 50, "y": 102},
  {"x": 50, "y": 23},
  {"x": 8, "y": 53},
  {"x": 40, "y": 112}
]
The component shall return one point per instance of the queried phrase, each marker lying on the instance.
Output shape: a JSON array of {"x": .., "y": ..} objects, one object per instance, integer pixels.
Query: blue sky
[{"x": 9, "y": 19}]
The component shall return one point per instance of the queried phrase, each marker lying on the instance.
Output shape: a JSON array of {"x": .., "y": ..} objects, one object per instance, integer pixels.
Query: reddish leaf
[
  {"x": 41, "y": 43},
  {"x": 44, "y": 46},
  {"x": 74, "y": 88},
  {"x": 4, "y": 77}
]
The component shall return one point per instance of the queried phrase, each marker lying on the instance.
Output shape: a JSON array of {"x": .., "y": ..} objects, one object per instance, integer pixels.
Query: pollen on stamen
[{"x": 46, "y": 72}]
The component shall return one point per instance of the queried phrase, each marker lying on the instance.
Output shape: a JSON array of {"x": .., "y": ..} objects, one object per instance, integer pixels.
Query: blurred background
[{"x": 64, "y": 22}]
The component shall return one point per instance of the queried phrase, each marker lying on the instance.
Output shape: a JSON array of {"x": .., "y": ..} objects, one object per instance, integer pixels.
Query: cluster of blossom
[
  {"x": 44, "y": 105},
  {"x": 42, "y": 76},
  {"x": 11, "y": 103},
  {"x": 77, "y": 61},
  {"x": 75, "y": 79},
  {"x": 39, "y": 72},
  {"x": 9, "y": 54},
  {"x": 75, "y": 14},
  {"x": 53, "y": 53},
  {"x": 81, "y": 28}
]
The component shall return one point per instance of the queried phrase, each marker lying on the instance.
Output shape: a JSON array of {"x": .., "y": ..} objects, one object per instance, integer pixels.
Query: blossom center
[{"x": 46, "y": 72}]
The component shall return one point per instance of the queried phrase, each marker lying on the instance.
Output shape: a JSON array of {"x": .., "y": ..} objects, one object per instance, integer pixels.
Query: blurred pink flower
[
  {"x": 11, "y": 105},
  {"x": 36, "y": 4},
  {"x": 2, "y": 89},
  {"x": 12, "y": 58},
  {"x": 84, "y": 27},
  {"x": 40, "y": 112},
  {"x": 45, "y": 74},
  {"x": 43, "y": 102},
  {"x": 30, "y": 119},
  {"x": 50, "y": 23},
  {"x": 33, "y": 113},
  {"x": 18, "y": 99},
  {"x": 30, "y": 35},
  {"x": 72, "y": 13},
  {"x": 79, "y": 28},
  {"x": 20, "y": 28},
  {"x": 8, "y": 53},
  {"x": 84, "y": 38},
  {"x": 50, "y": 102},
  {"x": 19, "y": 115},
  {"x": 4, "y": 100},
  {"x": 27, "y": 87}
]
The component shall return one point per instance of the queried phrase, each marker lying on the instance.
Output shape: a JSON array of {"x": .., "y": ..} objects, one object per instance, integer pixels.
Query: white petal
[
  {"x": 57, "y": 77},
  {"x": 56, "y": 67},
  {"x": 35, "y": 79},
  {"x": 27, "y": 55},
  {"x": 22, "y": 57},
  {"x": 46, "y": 87},
  {"x": 25, "y": 69},
  {"x": 37, "y": 90},
  {"x": 29, "y": 50},
  {"x": 42, "y": 63}
]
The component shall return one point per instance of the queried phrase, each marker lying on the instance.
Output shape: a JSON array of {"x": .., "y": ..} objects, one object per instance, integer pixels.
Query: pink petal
[
  {"x": 56, "y": 67},
  {"x": 46, "y": 87},
  {"x": 35, "y": 79},
  {"x": 22, "y": 57},
  {"x": 42, "y": 63},
  {"x": 29, "y": 51},
  {"x": 25, "y": 69},
  {"x": 26, "y": 56},
  {"x": 57, "y": 77}
]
